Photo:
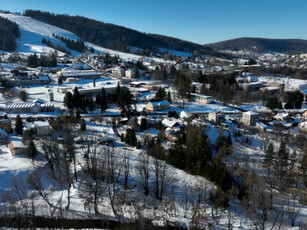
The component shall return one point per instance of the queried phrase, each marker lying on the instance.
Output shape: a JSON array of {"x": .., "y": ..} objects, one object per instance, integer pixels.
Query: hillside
[
  {"x": 114, "y": 36},
  {"x": 32, "y": 32},
  {"x": 289, "y": 46}
]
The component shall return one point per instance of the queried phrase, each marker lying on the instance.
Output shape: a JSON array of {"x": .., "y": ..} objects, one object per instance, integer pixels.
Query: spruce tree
[
  {"x": 283, "y": 157},
  {"x": 60, "y": 80},
  {"x": 18, "y": 125},
  {"x": 76, "y": 98},
  {"x": 78, "y": 116},
  {"x": 82, "y": 125},
  {"x": 168, "y": 97},
  {"x": 269, "y": 155},
  {"x": 103, "y": 100},
  {"x": 31, "y": 150},
  {"x": 68, "y": 100}
]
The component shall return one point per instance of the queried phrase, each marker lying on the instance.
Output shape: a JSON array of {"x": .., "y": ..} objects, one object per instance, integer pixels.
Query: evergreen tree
[
  {"x": 282, "y": 161},
  {"x": 172, "y": 70},
  {"x": 168, "y": 97},
  {"x": 60, "y": 80},
  {"x": 18, "y": 125},
  {"x": 103, "y": 100},
  {"x": 269, "y": 156},
  {"x": 78, "y": 115},
  {"x": 31, "y": 150},
  {"x": 160, "y": 94},
  {"x": 68, "y": 100},
  {"x": 82, "y": 125},
  {"x": 76, "y": 98}
]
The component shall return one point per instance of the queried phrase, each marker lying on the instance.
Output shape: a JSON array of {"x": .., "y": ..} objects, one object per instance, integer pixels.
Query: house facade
[
  {"x": 250, "y": 118},
  {"x": 157, "y": 105}
]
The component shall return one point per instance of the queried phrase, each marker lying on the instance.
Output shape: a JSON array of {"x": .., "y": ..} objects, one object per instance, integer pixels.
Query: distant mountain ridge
[{"x": 260, "y": 45}]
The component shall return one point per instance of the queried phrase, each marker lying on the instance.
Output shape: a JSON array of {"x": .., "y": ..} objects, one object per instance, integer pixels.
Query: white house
[
  {"x": 17, "y": 147},
  {"x": 202, "y": 99},
  {"x": 42, "y": 128},
  {"x": 216, "y": 117},
  {"x": 250, "y": 118},
  {"x": 157, "y": 105}
]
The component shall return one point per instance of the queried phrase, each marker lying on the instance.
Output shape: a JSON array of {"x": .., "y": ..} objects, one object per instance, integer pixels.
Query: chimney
[{"x": 94, "y": 82}]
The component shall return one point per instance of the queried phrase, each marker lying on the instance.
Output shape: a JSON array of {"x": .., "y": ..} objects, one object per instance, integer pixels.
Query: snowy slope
[{"x": 33, "y": 31}]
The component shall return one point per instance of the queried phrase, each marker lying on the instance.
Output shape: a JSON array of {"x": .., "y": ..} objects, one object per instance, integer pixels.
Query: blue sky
[{"x": 200, "y": 21}]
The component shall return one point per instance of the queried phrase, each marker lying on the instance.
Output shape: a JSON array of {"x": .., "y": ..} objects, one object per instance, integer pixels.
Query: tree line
[{"x": 9, "y": 32}]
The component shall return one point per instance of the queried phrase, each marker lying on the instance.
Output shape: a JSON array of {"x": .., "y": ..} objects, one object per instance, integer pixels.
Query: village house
[
  {"x": 129, "y": 73},
  {"x": 202, "y": 99},
  {"x": 17, "y": 147},
  {"x": 157, "y": 105},
  {"x": 42, "y": 128},
  {"x": 119, "y": 71},
  {"x": 250, "y": 118},
  {"x": 261, "y": 127},
  {"x": 5, "y": 124},
  {"x": 216, "y": 117},
  {"x": 82, "y": 74},
  {"x": 282, "y": 116}
]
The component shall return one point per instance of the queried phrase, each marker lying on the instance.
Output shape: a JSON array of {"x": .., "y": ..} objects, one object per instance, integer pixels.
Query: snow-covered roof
[
  {"x": 17, "y": 144},
  {"x": 167, "y": 122},
  {"x": 159, "y": 103},
  {"x": 251, "y": 113},
  {"x": 42, "y": 124}
]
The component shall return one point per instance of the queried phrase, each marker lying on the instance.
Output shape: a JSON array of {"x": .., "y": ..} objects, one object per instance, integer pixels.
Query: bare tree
[
  {"x": 143, "y": 172},
  {"x": 93, "y": 181},
  {"x": 126, "y": 167},
  {"x": 35, "y": 183}
]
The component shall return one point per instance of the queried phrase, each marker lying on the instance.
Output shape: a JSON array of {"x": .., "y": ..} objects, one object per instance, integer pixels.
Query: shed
[{"x": 17, "y": 147}]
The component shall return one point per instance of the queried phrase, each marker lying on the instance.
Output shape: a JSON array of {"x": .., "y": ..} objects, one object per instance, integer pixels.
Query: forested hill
[
  {"x": 289, "y": 46},
  {"x": 113, "y": 36},
  {"x": 9, "y": 31}
]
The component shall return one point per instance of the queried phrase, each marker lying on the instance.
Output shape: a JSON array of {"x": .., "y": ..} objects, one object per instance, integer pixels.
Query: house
[
  {"x": 119, "y": 71},
  {"x": 202, "y": 99},
  {"x": 250, "y": 118},
  {"x": 129, "y": 73},
  {"x": 5, "y": 124},
  {"x": 261, "y": 127},
  {"x": 3, "y": 136},
  {"x": 170, "y": 134},
  {"x": 282, "y": 116},
  {"x": 157, "y": 105},
  {"x": 42, "y": 128},
  {"x": 171, "y": 123},
  {"x": 17, "y": 147},
  {"x": 216, "y": 117},
  {"x": 82, "y": 74}
]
